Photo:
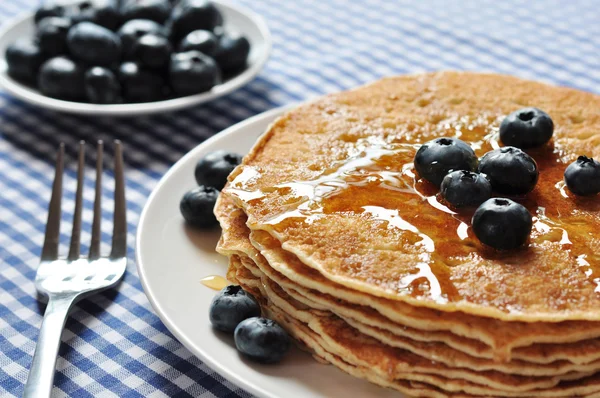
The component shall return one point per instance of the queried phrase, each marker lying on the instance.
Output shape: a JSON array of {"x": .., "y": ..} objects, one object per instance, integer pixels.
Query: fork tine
[
  {"x": 74, "y": 249},
  {"x": 52, "y": 236},
  {"x": 119, "y": 239},
  {"x": 95, "y": 243}
]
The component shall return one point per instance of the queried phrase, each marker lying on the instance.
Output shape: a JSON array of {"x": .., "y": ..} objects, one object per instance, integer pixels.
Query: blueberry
[
  {"x": 232, "y": 53},
  {"x": 464, "y": 188},
  {"x": 199, "y": 40},
  {"x": 52, "y": 35},
  {"x": 154, "y": 10},
  {"x": 197, "y": 207},
  {"x": 437, "y": 158},
  {"x": 230, "y": 307},
  {"x": 190, "y": 15},
  {"x": 24, "y": 58},
  {"x": 62, "y": 78},
  {"x": 214, "y": 168},
  {"x": 583, "y": 176},
  {"x": 502, "y": 223},
  {"x": 192, "y": 72},
  {"x": 526, "y": 128},
  {"x": 94, "y": 44},
  {"x": 102, "y": 86},
  {"x": 510, "y": 170},
  {"x": 140, "y": 85},
  {"x": 151, "y": 50},
  {"x": 100, "y": 12},
  {"x": 50, "y": 9},
  {"x": 262, "y": 340},
  {"x": 132, "y": 30}
]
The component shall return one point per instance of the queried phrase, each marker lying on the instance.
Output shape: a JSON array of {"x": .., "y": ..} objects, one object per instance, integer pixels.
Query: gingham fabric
[{"x": 114, "y": 345}]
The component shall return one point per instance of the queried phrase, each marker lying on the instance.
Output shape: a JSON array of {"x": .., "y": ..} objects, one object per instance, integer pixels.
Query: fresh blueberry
[
  {"x": 199, "y": 40},
  {"x": 154, "y": 10},
  {"x": 140, "y": 85},
  {"x": 132, "y": 30},
  {"x": 502, "y": 223},
  {"x": 192, "y": 72},
  {"x": 262, "y": 340},
  {"x": 151, "y": 50},
  {"x": 232, "y": 53},
  {"x": 526, "y": 128},
  {"x": 52, "y": 35},
  {"x": 50, "y": 9},
  {"x": 190, "y": 15},
  {"x": 510, "y": 170},
  {"x": 24, "y": 59},
  {"x": 102, "y": 86},
  {"x": 230, "y": 307},
  {"x": 197, "y": 207},
  {"x": 100, "y": 12},
  {"x": 94, "y": 44},
  {"x": 583, "y": 176},
  {"x": 463, "y": 188},
  {"x": 212, "y": 170},
  {"x": 62, "y": 78},
  {"x": 437, "y": 158}
]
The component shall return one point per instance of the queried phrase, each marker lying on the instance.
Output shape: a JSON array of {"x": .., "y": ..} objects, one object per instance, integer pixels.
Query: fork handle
[{"x": 41, "y": 375}]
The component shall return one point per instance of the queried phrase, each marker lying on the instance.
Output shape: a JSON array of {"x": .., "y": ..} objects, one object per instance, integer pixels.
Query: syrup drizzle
[
  {"x": 394, "y": 220},
  {"x": 215, "y": 282},
  {"x": 544, "y": 225}
]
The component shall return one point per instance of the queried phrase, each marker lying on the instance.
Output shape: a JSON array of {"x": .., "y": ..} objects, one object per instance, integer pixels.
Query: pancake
[
  {"x": 502, "y": 337},
  {"x": 328, "y": 225},
  {"x": 333, "y": 181},
  {"x": 235, "y": 236},
  {"x": 373, "y": 355},
  {"x": 253, "y": 272},
  {"x": 434, "y": 351}
]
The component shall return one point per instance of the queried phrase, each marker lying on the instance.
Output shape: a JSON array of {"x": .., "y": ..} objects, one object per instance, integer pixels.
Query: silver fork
[{"x": 66, "y": 280}]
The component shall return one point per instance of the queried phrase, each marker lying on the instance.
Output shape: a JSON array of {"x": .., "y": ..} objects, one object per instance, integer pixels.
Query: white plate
[
  {"x": 236, "y": 18},
  {"x": 172, "y": 259}
]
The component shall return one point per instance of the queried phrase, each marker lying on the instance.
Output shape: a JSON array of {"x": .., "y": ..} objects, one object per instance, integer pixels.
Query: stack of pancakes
[{"x": 327, "y": 223}]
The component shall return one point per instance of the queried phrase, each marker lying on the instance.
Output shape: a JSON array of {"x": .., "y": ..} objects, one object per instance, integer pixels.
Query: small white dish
[
  {"x": 172, "y": 259},
  {"x": 237, "y": 19}
]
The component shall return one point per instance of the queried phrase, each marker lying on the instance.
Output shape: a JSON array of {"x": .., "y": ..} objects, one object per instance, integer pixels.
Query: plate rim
[
  {"x": 272, "y": 114},
  {"x": 30, "y": 96}
]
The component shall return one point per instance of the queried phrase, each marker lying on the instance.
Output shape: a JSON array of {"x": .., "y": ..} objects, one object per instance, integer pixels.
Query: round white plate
[
  {"x": 237, "y": 19},
  {"x": 172, "y": 259}
]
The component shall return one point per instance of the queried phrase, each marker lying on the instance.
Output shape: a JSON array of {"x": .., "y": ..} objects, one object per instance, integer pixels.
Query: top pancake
[{"x": 333, "y": 180}]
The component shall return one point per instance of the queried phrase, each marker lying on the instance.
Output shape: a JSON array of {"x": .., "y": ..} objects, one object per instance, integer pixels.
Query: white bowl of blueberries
[{"x": 131, "y": 57}]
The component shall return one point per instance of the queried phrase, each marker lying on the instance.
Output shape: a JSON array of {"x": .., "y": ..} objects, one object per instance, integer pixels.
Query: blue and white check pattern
[{"x": 114, "y": 345}]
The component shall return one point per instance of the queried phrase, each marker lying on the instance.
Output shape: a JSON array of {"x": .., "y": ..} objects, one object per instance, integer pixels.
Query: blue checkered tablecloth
[{"x": 114, "y": 345}]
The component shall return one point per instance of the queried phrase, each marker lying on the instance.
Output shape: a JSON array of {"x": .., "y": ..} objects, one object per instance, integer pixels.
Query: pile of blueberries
[
  {"x": 233, "y": 310},
  {"x": 466, "y": 181},
  {"x": 126, "y": 51}
]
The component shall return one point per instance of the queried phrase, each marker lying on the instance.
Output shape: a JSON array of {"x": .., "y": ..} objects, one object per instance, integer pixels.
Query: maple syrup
[{"x": 215, "y": 282}]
